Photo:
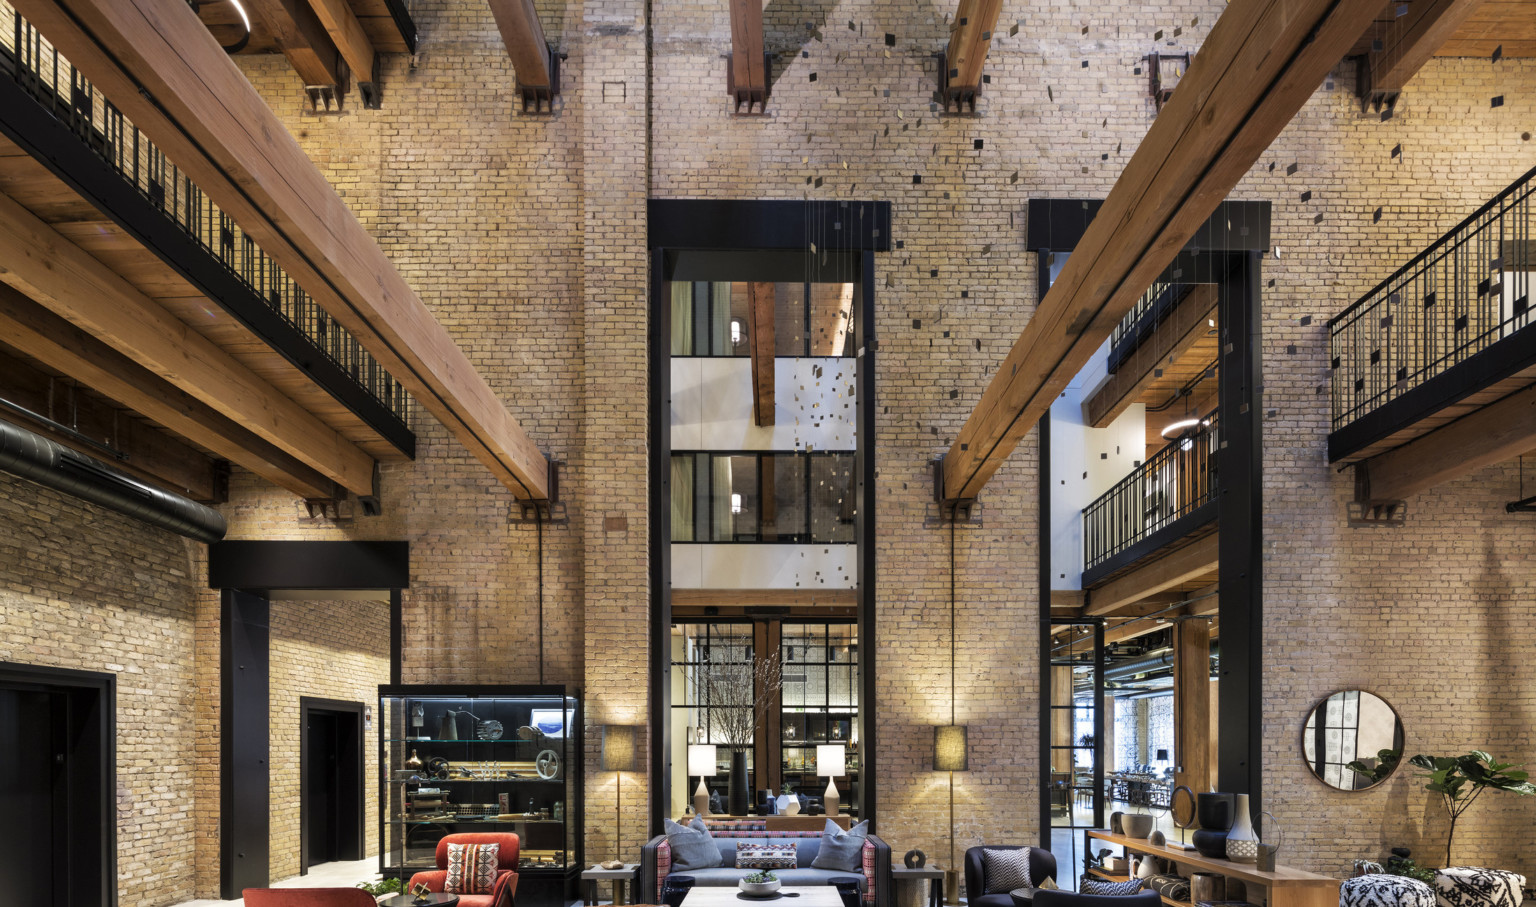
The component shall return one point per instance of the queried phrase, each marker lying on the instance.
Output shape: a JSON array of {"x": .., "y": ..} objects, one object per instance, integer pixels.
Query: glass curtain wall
[{"x": 1073, "y": 772}]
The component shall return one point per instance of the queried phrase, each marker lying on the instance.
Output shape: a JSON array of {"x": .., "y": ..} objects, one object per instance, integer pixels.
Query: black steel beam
[
  {"x": 309, "y": 565},
  {"x": 760, "y": 225},
  {"x": 50, "y": 141},
  {"x": 1059, "y": 223}
]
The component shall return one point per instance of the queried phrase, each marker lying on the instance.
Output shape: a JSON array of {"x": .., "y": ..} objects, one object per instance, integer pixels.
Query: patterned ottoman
[
  {"x": 1385, "y": 891},
  {"x": 1473, "y": 886}
]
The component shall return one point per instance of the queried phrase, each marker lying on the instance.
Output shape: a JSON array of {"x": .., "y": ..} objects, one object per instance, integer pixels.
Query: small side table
[
  {"x": 621, "y": 879},
  {"x": 409, "y": 900},
  {"x": 1023, "y": 897},
  {"x": 933, "y": 874}
]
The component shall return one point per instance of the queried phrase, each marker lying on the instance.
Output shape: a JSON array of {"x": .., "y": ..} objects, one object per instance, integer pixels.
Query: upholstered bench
[
  {"x": 1474, "y": 886},
  {"x": 1381, "y": 890}
]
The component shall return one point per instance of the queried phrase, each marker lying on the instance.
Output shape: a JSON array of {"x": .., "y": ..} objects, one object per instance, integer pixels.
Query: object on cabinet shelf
[
  {"x": 1117, "y": 822},
  {"x": 1157, "y": 837},
  {"x": 1215, "y": 811},
  {"x": 413, "y": 763},
  {"x": 549, "y": 722},
  {"x": 1136, "y": 825},
  {"x": 1186, "y": 818},
  {"x": 1207, "y": 886},
  {"x": 1242, "y": 840},
  {"x": 418, "y": 717},
  {"x": 1268, "y": 850},
  {"x": 548, "y": 764},
  {"x": 448, "y": 726},
  {"x": 914, "y": 859}
]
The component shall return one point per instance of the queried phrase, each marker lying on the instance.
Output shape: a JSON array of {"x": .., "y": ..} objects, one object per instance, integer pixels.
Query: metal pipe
[{"x": 33, "y": 457}]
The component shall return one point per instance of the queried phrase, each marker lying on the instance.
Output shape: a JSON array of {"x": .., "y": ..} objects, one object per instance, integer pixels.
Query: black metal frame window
[
  {"x": 754, "y": 496},
  {"x": 1072, "y": 774},
  {"x": 819, "y": 664},
  {"x": 724, "y": 645},
  {"x": 714, "y": 319}
]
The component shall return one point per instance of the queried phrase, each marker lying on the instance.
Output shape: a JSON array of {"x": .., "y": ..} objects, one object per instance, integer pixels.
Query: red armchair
[
  {"x": 308, "y": 897},
  {"x": 506, "y": 870}
]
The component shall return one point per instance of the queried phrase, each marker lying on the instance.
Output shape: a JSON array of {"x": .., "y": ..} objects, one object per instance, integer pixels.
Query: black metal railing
[
  {"x": 1466, "y": 292},
  {"x": 1150, "y": 310},
  {"x": 37, "y": 67},
  {"x": 1173, "y": 484}
]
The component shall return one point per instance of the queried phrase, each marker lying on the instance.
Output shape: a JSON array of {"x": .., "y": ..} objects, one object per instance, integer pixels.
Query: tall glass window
[
  {"x": 763, "y": 497},
  {"x": 715, "y": 318}
]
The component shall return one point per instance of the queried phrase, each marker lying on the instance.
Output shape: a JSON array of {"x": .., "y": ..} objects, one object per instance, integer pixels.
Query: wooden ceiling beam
[
  {"x": 532, "y": 61},
  {"x": 69, "y": 350},
  {"x": 178, "y": 86},
  {"x": 61, "y": 410},
  {"x": 970, "y": 37},
  {"x": 40, "y": 263},
  {"x": 761, "y": 342},
  {"x": 306, "y": 43},
  {"x": 1493, "y": 434},
  {"x": 1261, "y": 62},
  {"x": 747, "y": 69},
  {"x": 1186, "y": 324},
  {"x": 1411, "y": 39},
  {"x": 347, "y": 34},
  {"x": 1188, "y": 563}
]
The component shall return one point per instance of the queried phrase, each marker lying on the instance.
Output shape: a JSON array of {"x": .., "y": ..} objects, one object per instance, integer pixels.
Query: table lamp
[
  {"x": 830, "y": 762},
  {"x": 701, "y": 762}
]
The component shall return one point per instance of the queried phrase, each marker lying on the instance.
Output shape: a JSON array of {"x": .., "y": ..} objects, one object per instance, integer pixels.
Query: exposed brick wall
[
  {"x": 82, "y": 587},
  {"x": 324, "y": 650}
]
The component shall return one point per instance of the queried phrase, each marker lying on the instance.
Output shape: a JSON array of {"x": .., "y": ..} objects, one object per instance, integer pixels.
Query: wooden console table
[{"x": 1284, "y": 887}]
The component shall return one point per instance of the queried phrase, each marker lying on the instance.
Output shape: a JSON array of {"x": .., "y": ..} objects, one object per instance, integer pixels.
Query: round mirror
[{"x": 1353, "y": 740}]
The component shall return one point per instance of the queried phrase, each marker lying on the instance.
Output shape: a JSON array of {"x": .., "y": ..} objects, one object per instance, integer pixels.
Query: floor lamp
[
  {"x": 950, "y": 750},
  {"x": 618, "y": 757}
]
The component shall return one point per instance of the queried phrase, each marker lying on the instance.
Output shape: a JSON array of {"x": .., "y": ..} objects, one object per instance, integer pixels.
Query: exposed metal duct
[
  {"x": 1140, "y": 666},
  {"x": 37, "y": 459}
]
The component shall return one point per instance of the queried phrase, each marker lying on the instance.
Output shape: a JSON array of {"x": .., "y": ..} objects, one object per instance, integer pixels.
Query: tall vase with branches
[
  {"x": 1460, "y": 780},
  {"x": 742, "y": 693}
]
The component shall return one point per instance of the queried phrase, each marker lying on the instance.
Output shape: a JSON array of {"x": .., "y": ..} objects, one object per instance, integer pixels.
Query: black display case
[{"x": 461, "y": 758}]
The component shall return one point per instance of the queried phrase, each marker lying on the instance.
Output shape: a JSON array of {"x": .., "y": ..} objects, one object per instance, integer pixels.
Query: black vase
[
  {"x": 1216, "y": 812},
  {"x": 738, "y": 799}
]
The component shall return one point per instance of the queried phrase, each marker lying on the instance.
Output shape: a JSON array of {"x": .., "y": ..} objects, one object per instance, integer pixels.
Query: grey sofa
[{"x": 874, "y": 874}]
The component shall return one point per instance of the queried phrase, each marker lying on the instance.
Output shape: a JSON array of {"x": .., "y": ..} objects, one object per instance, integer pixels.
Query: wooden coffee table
[{"x": 725, "y": 896}]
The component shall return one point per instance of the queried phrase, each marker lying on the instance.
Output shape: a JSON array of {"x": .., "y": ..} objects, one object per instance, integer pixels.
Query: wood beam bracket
[
  {"x": 540, "y": 99},
  {"x": 325, "y": 98},
  {"x": 958, "y": 100},
  {"x": 755, "y": 98}
]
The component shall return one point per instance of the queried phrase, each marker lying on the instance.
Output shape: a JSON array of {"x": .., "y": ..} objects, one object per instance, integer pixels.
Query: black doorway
[
  {"x": 56, "y": 770},
  {"x": 331, "y": 781}
]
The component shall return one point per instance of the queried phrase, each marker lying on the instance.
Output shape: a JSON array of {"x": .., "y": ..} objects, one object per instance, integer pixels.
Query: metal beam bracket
[
  {"x": 546, "y": 510},
  {"x": 742, "y": 94},
  {"x": 1378, "y": 514},
  {"x": 961, "y": 98},
  {"x": 540, "y": 99}
]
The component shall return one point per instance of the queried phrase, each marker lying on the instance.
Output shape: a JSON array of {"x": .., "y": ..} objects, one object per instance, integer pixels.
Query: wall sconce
[
  {"x": 735, "y": 503},
  {"x": 735, "y": 332}
]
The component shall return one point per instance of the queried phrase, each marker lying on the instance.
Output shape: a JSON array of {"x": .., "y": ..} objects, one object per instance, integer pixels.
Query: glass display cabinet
[{"x": 457, "y": 759}]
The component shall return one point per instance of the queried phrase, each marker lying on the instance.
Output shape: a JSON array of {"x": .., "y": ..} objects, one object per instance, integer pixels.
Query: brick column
[{"x": 613, "y": 470}]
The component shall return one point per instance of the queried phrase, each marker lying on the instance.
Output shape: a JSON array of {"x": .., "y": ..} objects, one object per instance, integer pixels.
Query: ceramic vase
[
  {"x": 1214, "y": 811},
  {"x": 737, "y": 801},
  {"x": 1136, "y": 825},
  {"x": 1242, "y": 841}
]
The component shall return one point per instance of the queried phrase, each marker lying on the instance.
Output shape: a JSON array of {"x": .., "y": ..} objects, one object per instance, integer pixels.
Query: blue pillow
[
  {"x": 842, "y": 850},
  {"x": 692, "y": 846}
]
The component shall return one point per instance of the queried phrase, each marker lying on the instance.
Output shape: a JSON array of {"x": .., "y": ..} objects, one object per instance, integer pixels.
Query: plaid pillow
[
  {"x": 472, "y": 868},
  {"x": 765, "y": 856}
]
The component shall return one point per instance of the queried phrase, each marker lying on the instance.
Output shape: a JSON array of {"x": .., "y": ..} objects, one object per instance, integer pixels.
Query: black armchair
[
  {"x": 1042, "y": 866},
  {"x": 1053, "y": 898}
]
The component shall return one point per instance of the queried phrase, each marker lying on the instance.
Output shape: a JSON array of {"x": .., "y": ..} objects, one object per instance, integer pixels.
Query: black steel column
[
  {"x": 660, "y": 541},
  {"x": 1240, "y": 512},
  {"x": 396, "y": 635},
  {"x": 864, "y": 532},
  {"x": 245, "y": 795},
  {"x": 1043, "y": 611}
]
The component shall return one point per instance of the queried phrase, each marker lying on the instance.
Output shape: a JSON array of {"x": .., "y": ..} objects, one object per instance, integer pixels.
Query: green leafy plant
[
  {"x": 761, "y": 876},
  {"x": 1405, "y": 866},
  {"x": 1386, "y": 763},
  {"x": 383, "y": 886},
  {"x": 1460, "y": 780}
]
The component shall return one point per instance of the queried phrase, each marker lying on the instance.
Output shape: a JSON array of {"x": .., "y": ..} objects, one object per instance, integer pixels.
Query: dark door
[
  {"x": 332, "y": 787},
  {"x": 324, "y": 818},
  {"x": 32, "y": 858}
]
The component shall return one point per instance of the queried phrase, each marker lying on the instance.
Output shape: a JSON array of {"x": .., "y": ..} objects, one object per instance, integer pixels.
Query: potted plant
[
  {"x": 759, "y": 884},
  {"x": 1460, "y": 780}
]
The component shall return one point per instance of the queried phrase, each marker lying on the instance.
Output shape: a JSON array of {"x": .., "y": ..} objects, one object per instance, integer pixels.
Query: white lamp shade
[
  {"x": 701, "y": 759},
  {"x": 830, "y": 760}
]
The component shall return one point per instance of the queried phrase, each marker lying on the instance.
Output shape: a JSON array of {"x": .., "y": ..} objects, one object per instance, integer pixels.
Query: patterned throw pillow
[
  {"x": 1103, "y": 886},
  {"x": 765, "y": 856},
  {"x": 1005, "y": 870},
  {"x": 472, "y": 868}
]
